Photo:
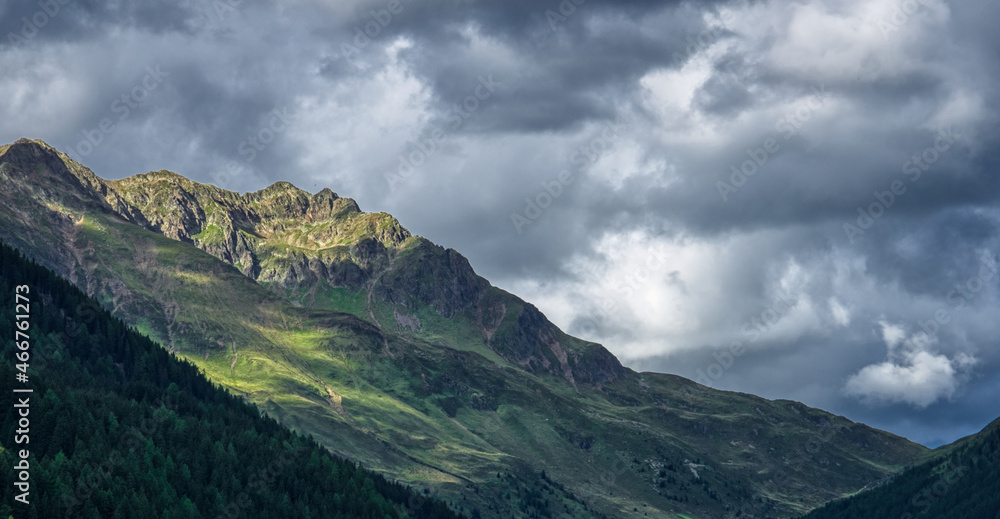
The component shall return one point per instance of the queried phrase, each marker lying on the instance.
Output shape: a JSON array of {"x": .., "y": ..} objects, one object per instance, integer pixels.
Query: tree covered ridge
[
  {"x": 961, "y": 482},
  {"x": 121, "y": 428}
]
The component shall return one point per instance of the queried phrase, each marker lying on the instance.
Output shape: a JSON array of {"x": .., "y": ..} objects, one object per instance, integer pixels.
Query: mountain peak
[
  {"x": 282, "y": 187},
  {"x": 155, "y": 180},
  {"x": 161, "y": 174},
  {"x": 326, "y": 194},
  {"x": 33, "y": 146},
  {"x": 46, "y": 167},
  {"x": 39, "y": 142},
  {"x": 36, "y": 148}
]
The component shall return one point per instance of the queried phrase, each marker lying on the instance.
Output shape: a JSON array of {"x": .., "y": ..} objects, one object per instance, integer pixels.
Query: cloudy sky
[{"x": 797, "y": 199}]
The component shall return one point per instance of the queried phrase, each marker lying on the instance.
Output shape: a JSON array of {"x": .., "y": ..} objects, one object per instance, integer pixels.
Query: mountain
[
  {"x": 117, "y": 427},
  {"x": 959, "y": 481},
  {"x": 392, "y": 352}
]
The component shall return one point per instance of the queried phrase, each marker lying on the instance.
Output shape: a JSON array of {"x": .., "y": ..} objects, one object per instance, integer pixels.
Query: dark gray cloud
[
  {"x": 28, "y": 23},
  {"x": 668, "y": 178}
]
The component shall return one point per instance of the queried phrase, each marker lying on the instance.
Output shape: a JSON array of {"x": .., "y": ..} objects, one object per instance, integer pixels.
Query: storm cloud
[{"x": 795, "y": 199}]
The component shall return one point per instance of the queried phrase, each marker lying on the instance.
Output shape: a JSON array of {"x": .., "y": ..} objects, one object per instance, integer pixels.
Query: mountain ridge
[
  {"x": 339, "y": 245},
  {"x": 394, "y": 353}
]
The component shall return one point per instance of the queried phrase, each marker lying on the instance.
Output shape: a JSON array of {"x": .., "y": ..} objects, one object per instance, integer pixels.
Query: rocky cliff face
[{"x": 279, "y": 234}]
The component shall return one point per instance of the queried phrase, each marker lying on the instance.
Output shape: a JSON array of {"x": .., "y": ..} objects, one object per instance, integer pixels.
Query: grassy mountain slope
[
  {"x": 392, "y": 352},
  {"x": 120, "y": 428},
  {"x": 959, "y": 481}
]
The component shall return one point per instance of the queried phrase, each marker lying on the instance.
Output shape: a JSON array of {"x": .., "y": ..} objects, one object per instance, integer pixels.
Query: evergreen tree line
[{"x": 121, "y": 428}]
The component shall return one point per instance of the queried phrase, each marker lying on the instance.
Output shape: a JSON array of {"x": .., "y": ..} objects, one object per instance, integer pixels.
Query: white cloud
[
  {"x": 892, "y": 334},
  {"x": 647, "y": 296},
  {"x": 912, "y": 374},
  {"x": 348, "y": 126},
  {"x": 860, "y": 40}
]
